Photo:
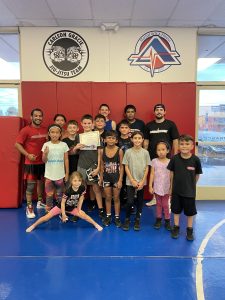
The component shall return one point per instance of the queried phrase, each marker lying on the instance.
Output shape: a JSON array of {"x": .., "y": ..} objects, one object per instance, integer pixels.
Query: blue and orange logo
[{"x": 155, "y": 52}]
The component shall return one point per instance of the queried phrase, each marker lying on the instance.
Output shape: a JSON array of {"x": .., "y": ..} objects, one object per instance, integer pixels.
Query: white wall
[{"x": 108, "y": 55}]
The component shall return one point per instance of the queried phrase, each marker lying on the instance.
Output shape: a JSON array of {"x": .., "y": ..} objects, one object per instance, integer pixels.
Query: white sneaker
[
  {"x": 40, "y": 204},
  {"x": 151, "y": 203},
  {"x": 30, "y": 212}
]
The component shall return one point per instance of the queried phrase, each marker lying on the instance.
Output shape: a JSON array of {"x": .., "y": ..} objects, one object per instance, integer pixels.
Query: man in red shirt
[{"x": 29, "y": 143}]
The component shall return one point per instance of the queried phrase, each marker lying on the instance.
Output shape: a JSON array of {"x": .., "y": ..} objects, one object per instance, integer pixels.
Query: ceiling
[{"x": 126, "y": 13}]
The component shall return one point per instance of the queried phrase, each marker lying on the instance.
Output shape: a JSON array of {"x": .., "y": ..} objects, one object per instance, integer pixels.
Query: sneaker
[
  {"x": 91, "y": 207},
  {"x": 190, "y": 236},
  {"x": 133, "y": 210},
  {"x": 158, "y": 223},
  {"x": 151, "y": 202},
  {"x": 40, "y": 204},
  {"x": 30, "y": 212},
  {"x": 107, "y": 220},
  {"x": 175, "y": 232},
  {"x": 101, "y": 213},
  {"x": 117, "y": 222},
  {"x": 126, "y": 225},
  {"x": 74, "y": 219},
  {"x": 167, "y": 224},
  {"x": 137, "y": 226}
]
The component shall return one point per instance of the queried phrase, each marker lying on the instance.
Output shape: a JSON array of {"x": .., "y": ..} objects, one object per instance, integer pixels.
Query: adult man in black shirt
[{"x": 160, "y": 129}]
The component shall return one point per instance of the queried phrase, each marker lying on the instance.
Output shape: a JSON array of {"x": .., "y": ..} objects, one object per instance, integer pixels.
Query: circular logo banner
[{"x": 65, "y": 54}]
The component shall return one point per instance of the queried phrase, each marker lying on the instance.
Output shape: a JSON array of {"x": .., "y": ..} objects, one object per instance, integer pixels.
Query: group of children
[{"x": 117, "y": 170}]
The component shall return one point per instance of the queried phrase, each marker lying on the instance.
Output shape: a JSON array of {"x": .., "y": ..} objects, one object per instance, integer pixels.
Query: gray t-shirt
[{"x": 136, "y": 160}]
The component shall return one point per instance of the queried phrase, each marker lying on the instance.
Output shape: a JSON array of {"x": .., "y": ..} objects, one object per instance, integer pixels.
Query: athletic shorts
[
  {"x": 34, "y": 172},
  {"x": 83, "y": 172},
  {"x": 186, "y": 204},
  {"x": 57, "y": 211},
  {"x": 109, "y": 184}
]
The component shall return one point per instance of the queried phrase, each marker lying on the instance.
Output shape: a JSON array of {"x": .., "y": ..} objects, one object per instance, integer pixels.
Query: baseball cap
[{"x": 159, "y": 105}]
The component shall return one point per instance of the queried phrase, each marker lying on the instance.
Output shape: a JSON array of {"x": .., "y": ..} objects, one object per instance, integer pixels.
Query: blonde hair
[{"x": 76, "y": 174}]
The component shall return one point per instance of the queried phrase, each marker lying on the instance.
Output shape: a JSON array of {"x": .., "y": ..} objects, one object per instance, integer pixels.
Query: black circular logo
[{"x": 65, "y": 54}]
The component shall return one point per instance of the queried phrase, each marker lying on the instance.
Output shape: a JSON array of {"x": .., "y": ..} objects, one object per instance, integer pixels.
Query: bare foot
[
  {"x": 98, "y": 227},
  {"x": 29, "y": 229}
]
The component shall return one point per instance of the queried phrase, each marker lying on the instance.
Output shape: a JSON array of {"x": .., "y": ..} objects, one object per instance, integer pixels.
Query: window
[
  {"x": 211, "y": 136},
  {"x": 9, "y": 56},
  {"x": 211, "y": 58},
  {"x": 9, "y": 101}
]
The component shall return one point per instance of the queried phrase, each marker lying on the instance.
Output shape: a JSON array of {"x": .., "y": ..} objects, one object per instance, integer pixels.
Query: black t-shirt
[
  {"x": 124, "y": 144},
  {"x": 73, "y": 158},
  {"x": 72, "y": 197},
  {"x": 155, "y": 132},
  {"x": 137, "y": 125},
  {"x": 185, "y": 171}
]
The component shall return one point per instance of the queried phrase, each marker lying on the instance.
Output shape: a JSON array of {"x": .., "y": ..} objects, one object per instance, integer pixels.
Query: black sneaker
[
  {"x": 107, "y": 220},
  {"x": 175, "y": 232},
  {"x": 158, "y": 223},
  {"x": 126, "y": 225},
  {"x": 167, "y": 224},
  {"x": 91, "y": 207},
  {"x": 133, "y": 210},
  {"x": 74, "y": 219},
  {"x": 137, "y": 226},
  {"x": 117, "y": 222},
  {"x": 101, "y": 213},
  {"x": 190, "y": 236}
]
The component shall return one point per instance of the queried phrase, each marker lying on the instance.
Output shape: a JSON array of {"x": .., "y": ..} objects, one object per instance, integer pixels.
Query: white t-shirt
[{"x": 54, "y": 167}]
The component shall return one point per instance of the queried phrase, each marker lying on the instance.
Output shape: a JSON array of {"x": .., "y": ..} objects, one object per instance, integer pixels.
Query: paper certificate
[{"x": 91, "y": 140}]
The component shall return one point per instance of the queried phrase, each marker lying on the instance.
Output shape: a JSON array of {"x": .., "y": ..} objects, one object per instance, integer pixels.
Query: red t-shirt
[{"x": 32, "y": 139}]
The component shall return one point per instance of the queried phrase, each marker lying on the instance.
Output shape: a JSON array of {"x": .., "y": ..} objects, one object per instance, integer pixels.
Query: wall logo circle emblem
[
  {"x": 65, "y": 54},
  {"x": 155, "y": 52}
]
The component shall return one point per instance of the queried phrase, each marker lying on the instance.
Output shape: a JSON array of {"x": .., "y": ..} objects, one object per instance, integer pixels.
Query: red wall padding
[
  {"x": 11, "y": 171},
  {"x": 74, "y": 99},
  {"x": 111, "y": 93},
  {"x": 179, "y": 99},
  {"x": 39, "y": 95},
  {"x": 77, "y": 98},
  {"x": 144, "y": 96}
]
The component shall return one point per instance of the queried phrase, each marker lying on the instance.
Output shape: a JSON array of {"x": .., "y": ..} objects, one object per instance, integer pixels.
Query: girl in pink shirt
[{"x": 159, "y": 184}]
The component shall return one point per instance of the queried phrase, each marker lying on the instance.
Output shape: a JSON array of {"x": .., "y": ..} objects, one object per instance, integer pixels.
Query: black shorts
[
  {"x": 186, "y": 204},
  {"x": 34, "y": 172},
  {"x": 109, "y": 184}
]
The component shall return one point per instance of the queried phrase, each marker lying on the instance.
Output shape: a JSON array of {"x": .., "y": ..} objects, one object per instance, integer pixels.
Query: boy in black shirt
[
  {"x": 72, "y": 140},
  {"x": 185, "y": 168}
]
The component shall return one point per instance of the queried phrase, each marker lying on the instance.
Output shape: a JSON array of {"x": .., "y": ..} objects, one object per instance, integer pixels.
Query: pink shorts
[{"x": 57, "y": 211}]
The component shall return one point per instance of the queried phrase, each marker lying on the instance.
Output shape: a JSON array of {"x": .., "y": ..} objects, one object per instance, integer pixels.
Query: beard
[
  {"x": 36, "y": 122},
  {"x": 159, "y": 117}
]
